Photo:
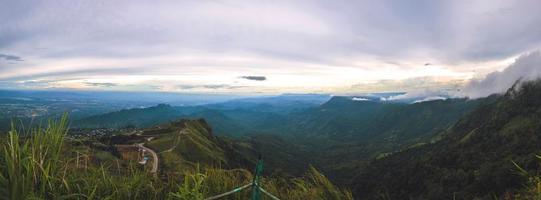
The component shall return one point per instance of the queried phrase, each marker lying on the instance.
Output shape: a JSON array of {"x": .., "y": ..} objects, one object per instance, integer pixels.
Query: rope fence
[
  {"x": 230, "y": 192},
  {"x": 268, "y": 194},
  {"x": 256, "y": 189}
]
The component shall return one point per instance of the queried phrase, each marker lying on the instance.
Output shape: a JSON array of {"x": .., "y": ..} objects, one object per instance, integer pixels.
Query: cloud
[
  {"x": 359, "y": 99},
  {"x": 210, "y": 86},
  {"x": 422, "y": 95},
  {"x": 526, "y": 67},
  {"x": 411, "y": 85},
  {"x": 287, "y": 40},
  {"x": 186, "y": 87},
  {"x": 37, "y": 83},
  {"x": 308, "y": 30},
  {"x": 155, "y": 87},
  {"x": 10, "y": 57},
  {"x": 433, "y": 98},
  {"x": 101, "y": 84},
  {"x": 254, "y": 78}
]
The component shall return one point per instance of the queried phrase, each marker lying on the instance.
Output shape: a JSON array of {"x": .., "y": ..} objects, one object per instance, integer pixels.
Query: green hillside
[
  {"x": 339, "y": 136},
  {"x": 345, "y": 119},
  {"x": 472, "y": 160},
  {"x": 187, "y": 143},
  {"x": 47, "y": 164},
  {"x": 344, "y": 135},
  {"x": 230, "y": 122},
  {"x": 138, "y": 117},
  {"x": 444, "y": 149}
]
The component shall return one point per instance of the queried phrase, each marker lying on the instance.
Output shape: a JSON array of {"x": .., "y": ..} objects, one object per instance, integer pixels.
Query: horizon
[
  {"x": 339, "y": 100},
  {"x": 236, "y": 47},
  {"x": 76, "y": 91}
]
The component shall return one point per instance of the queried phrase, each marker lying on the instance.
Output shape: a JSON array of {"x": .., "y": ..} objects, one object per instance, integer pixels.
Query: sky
[{"x": 294, "y": 46}]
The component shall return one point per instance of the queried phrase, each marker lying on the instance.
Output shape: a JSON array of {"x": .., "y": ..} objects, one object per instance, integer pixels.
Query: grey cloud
[
  {"x": 10, "y": 57},
  {"x": 36, "y": 83},
  {"x": 416, "y": 84},
  {"x": 155, "y": 87},
  {"x": 254, "y": 78},
  {"x": 526, "y": 67},
  {"x": 317, "y": 31},
  {"x": 209, "y": 86},
  {"x": 215, "y": 86},
  {"x": 66, "y": 73},
  {"x": 101, "y": 84},
  {"x": 186, "y": 87}
]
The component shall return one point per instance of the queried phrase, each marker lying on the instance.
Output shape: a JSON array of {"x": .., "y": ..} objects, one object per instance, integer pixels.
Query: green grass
[
  {"x": 532, "y": 189},
  {"x": 40, "y": 164},
  {"x": 190, "y": 144},
  {"x": 32, "y": 166}
]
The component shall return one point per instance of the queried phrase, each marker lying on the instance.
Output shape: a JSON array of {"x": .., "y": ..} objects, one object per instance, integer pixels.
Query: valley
[
  {"x": 338, "y": 135},
  {"x": 270, "y": 100},
  {"x": 453, "y": 148}
]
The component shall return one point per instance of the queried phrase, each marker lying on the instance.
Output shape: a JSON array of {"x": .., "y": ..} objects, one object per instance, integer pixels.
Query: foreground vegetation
[
  {"x": 42, "y": 164},
  {"x": 487, "y": 154}
]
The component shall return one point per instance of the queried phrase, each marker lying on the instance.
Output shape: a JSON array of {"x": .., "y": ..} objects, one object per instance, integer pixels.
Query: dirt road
[{"x": 154, "y": 157}]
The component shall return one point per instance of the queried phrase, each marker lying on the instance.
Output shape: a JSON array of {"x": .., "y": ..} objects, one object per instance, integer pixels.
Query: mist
[{"x": 526, "y": 67}]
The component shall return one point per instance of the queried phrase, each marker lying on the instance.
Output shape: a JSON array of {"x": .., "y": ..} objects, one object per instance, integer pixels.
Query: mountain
[
  {"x": 473, "y": 159},
  {"x": 281, "y": 104},
  {"x": 139, "y": 117},
  {"x": 344, "y": 118},
  {"x": 338, "y": 136},
  {"x": 235, "y": 122},
  {"x": 234, "y": 117},
  {"x": 146, "y": 98},
  {"x": 185, "y": 161},
  {"x": 185, "y": 143},
  {"x": 346, "y": 134},
  {"x": 438, "y": 149},
  {"x": 222, "y": 124}
]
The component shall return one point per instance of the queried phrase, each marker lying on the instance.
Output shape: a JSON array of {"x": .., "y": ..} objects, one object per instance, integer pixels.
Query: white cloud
[
  {"x": 421, "y": 95},
  {"x": 305, "y": 45},
  {"x": 526, "y": 67},
  {"x": 433, "y": 98},
  {"x": 359, "y": 99}
]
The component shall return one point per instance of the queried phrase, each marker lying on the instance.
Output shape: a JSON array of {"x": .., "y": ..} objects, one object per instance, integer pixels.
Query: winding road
[
  {"x": 155, "y": 161},
  {"x": 154, "y": 157}
]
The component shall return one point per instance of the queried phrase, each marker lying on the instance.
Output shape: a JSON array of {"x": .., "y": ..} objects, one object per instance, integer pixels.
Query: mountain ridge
[{"x": 472, "y": 160}]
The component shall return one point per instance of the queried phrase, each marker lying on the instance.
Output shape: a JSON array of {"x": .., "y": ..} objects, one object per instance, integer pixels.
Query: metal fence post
[{"x": 256, "y": 192}]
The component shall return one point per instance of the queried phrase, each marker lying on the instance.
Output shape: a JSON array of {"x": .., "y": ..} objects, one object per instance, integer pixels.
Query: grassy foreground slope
[
  {"x": 188, "y": 143},
  {"x": 44, "y": 164}
]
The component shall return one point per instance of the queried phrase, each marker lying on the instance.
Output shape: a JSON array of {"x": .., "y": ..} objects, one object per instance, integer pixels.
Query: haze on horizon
[{"x": 268, "y": 46}]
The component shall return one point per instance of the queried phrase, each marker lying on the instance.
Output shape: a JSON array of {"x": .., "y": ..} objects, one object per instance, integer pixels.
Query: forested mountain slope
[
  {"x": 339, "y": 136},
  {"x": 474, "y": 158},
  {"x": 346, "y": 134},
  {"x": 343, "y": 118},
  {"x": 188, "y": 143}
]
